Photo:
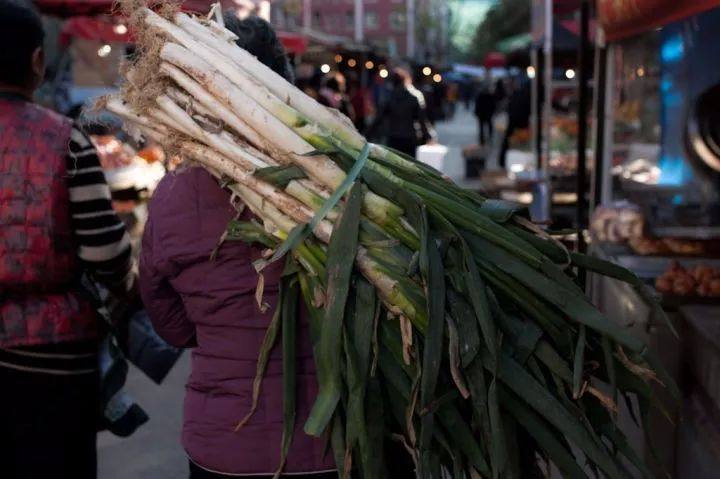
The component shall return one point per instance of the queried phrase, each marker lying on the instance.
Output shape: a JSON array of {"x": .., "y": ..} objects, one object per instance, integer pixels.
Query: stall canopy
[
  {"x": 494, "y": 60},
  {"x": 71, "y": 8},
  {"x": 89, "y": 20},
  {"x": 293, "y": 42},
  {"x": 621, "y": 19},
  {"x": 94, "y": 28},
  {"x": 563, "y": 7},
  {"x": 514, "y": 43}
]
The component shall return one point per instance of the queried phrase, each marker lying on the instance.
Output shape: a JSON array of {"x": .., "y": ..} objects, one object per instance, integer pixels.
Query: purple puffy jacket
[{"x": 210, "y": 306}]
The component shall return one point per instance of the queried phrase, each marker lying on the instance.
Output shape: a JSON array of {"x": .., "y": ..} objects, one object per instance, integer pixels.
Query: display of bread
[
  {"x": 649, "y": 246},
  {"x": 702, "y": 280},
  {"x": 665, "y": 246},
  {"x": 617, "y": 223}
]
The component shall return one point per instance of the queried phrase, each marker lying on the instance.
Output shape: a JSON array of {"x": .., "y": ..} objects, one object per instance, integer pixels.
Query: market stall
[
  {"x": 541, "y": 155},
  {"x": 656, "y": 195}
]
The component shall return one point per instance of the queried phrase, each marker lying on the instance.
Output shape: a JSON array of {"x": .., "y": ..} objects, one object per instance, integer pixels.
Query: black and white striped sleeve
[{"x": 103, "y": 243}]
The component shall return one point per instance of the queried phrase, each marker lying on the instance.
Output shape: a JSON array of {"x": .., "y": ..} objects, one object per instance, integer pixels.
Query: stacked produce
[
  {"x": 441, "y": 320},
  {"x": 702, "y": 280}
]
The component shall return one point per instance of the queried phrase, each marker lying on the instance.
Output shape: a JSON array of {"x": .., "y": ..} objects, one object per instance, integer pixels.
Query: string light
[
  {"x": 427, "y": 71},
  {"x": 530, "y": 71},
  {"x": 120, "y": 29},
  {"x": 569, "y": 73},
  {"x": 352, "y": 63},
  {"x": 369, "y": 65},
  {"x": 437, "y": 78},
  {"x": 383, "y": 73},
  {"x": 104, "y": 51},
  {"x": 325, "y": 68},
  {"x": 338, "y": 58}
]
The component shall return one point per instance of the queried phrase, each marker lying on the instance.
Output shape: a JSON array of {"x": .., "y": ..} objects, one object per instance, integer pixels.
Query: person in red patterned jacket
[{"x": 56, "y": 224}]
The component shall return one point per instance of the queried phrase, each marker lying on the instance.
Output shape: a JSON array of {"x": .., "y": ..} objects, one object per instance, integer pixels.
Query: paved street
[
  {"x": 154, "y": 451},
  {"x": 456, "y": 134}
]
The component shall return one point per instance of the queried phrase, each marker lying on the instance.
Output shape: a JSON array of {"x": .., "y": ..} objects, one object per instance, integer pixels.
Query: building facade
[{"x": 381, "y": 23}]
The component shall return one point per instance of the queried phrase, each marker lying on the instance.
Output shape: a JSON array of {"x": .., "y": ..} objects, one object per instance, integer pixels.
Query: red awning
[
  {"x": 71, "y": 8},
  {"x": 94, "y": 28},
  {"x": 624, "y": 18},
  {"x": 293, "y": 42},
  {"x": 573, "y": 26},
  {"x": 562, "y": 7},
  {"x": 494, "y": 60}
]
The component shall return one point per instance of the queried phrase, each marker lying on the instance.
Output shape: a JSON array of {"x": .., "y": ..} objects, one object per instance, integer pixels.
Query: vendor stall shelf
[{"x": 657, "y": 139}]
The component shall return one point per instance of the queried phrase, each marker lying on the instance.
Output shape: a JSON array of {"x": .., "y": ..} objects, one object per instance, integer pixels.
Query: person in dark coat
[
  {"x": 209, "y": 305},
  {"x": 57, "y": 225},
  {"x": 485, "y": 104},
  {"x": 403, "y": 118},
  {"x": 333, "y": 93},
  {"x": 518, "y": 110}
]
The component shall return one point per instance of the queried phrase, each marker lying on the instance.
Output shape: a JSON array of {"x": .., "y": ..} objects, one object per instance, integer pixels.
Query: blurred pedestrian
[
  {"x": 57, "y": 224},
  {"x": 429, "y": 94},
  {"x": 500, "y": 93},
  {"x": 518, "y": 109},
  {"x": 333, "y": 93},
  {"x": 403, "y": 118},
  {"x": 209, "y": 304},
  {"x": 361, "y": 102},
  {"x": 467, "y": 92},
  {"x": 452, "y": 99},
  {"x": 485, "y": 106}
]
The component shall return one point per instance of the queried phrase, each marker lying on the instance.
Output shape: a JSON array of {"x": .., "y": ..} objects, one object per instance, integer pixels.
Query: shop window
[
  {"x": 371, "y": 21},
  {"x": 397, "y": 21}
]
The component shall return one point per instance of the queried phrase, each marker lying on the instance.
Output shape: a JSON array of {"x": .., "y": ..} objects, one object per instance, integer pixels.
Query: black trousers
[
  {"x": 403, "y": 145},
  {"x": 506, "y": 145},
  {"x": 485, "y": 130},
  {"x": 48, "y": 425},
  {"x": 197, "y": 472}
]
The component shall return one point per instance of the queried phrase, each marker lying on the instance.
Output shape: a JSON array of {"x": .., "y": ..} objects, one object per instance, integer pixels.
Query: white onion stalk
[
  {"x": 368, "y": 267},
  {"x": 275, "y": 132},
  {"x": 273, "y": 219},
  {"x": 280, "y": 123},
  {"x": 337, "y": 124},
  {"x": 151, "y": 133},
  {"x": 161, "y": 117},
  {"x": 201, "y": 65},
  {"x": 282, "y": 200},
  {"x": 115, "y": 105},
  {"x": 212, "y": 105},
  {"x": 217, "y": 84},
  {"x": 207, "y": 58},
  {"x": 205, "y": 65},
  {"x": 187, "y": 101},
  {"x": 334, "y": 122},
  {"x": 252, "y": 100},
  {"x": 228, "y": 148}
]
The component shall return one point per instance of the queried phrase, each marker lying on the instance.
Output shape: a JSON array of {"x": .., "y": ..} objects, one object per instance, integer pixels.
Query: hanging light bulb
[{"x": 104, "y": 51}]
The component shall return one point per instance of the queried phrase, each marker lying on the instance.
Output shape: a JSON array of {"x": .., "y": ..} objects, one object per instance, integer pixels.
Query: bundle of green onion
[{"x": 440, "y": 319}]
